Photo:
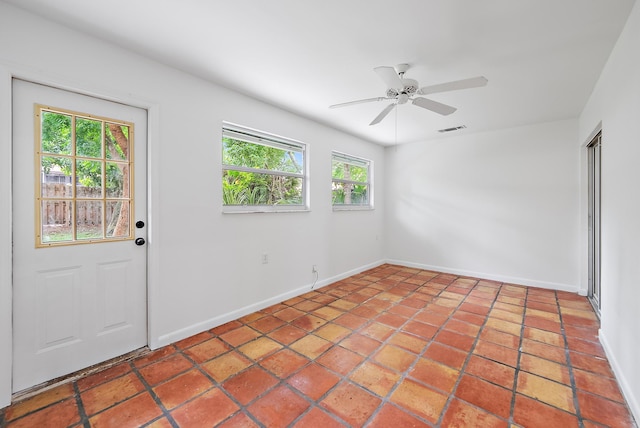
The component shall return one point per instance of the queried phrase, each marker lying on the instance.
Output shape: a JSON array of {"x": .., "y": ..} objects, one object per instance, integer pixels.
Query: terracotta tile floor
[{"x": 392, "y": 346}]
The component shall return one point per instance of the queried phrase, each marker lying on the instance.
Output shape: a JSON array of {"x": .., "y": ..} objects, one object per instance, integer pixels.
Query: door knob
[{"x": 139, "y": 241}]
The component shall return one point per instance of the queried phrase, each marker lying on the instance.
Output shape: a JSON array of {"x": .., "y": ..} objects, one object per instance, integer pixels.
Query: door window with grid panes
[{"x": 84, "y": 168}]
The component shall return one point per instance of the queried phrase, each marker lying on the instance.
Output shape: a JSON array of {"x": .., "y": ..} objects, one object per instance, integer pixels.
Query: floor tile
[
  {"x": 207, "y": 410},
  {"x": 165, "y": 369},
  {"x": 360, "y": 344},
  {"x": 500, "y": 338},
  {"x": 134, "y": 412},
  {"x": 455, "y": 340},
  {"x": 239, "y": 420},
  {"x": 333, "y": 332},
  {"x": 391, "y": 416},
  {"x": 419, "y": 399},
  {"x": 318, "y": 418},
  {"x": 182, "y": 388},
  {"x": 447, "y": 355},
  {"x": 351, "y": 403},
  {"x": 491, "y": 371},
  {"x": 266, "y": 324},
  {"x": 544, "y": 336},
  {"x": 422, "y": 330},
  {"x": 259, "y": 348},
  {"x": 314, "y": 381},
  {"x": 239, "y": 336},
  {"x": 63, "y": 414},
  {"x": 394, "y": 358},
  {"x": 39, "y": 401},
  {"x": 193, "y": 340},
  {"x": 460, "y": 414},
  {"x": 542, "y": 350},
  {"x": 249, "y": 384},
  {"x": 547, "y": 391},
  {"x": 340, "y": 360},
  {"x": 287, "y": 334},
  {"x": 601, "y": 410},
  {"x": 409, "y": 342},
  {"x": 597, "y": 384},
  {"x": 101, "y": 377},
  {"x": 545, "y": 368},
  {"x": 535, "y": 414},
  {"x": 435, "y": 374},
  {"x": 284, "y": 363},
  {"x": 288, "y": 314},
  {"x": 350, "y": 321},
  {"x": 591, "y": 363},
  {"x": 279, "y": 407},
  {"x": 107, "y": 394},
  {"x": 377, "y": 331},
  {"x": 490, "y": 397},
  {"x": 226, "y": 365},
  {"x": 311, "y": 346},
  {"x": 375, "y": 378}
]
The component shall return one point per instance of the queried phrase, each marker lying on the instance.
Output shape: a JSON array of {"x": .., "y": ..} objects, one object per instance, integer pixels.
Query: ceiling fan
[{"x": 401, "y": 90}]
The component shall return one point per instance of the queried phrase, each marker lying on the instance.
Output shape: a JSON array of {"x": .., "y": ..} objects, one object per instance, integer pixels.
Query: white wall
[
  {"x": 616, "y": 103},
  {"x": 500, "y": 205},
  {"x": 205, "y": 267}
]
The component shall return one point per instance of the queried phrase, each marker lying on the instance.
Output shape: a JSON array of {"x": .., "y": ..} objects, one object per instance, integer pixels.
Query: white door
[{"x": 79, "y": 211}]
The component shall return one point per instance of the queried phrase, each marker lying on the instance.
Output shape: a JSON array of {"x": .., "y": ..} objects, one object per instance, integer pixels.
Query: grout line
[
  {"x": 574, "y": 388},
  {"x": 84, "y": 419},
  {"x": 154, "y": 396}
]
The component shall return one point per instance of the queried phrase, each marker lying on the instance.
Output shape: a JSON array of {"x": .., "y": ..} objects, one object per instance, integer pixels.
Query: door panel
[{"x": 77, "y": 302}]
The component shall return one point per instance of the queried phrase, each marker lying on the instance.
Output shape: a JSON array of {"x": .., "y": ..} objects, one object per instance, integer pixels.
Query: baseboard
[
  {"x": 627, "y": 392},
  {"x": 210, "y": 323},
  {"x": 493, "y": 277}
]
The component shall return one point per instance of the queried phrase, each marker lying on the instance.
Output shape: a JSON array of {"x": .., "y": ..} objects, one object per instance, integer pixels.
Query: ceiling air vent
[{"x": 455, "y": 128}]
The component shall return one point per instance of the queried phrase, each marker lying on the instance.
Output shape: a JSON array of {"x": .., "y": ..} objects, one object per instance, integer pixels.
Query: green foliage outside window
[{"x": 253, "y": 174}]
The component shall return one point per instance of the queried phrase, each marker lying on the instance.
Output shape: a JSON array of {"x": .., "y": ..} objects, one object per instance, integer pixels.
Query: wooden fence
[{"x": 58, "y": 211}]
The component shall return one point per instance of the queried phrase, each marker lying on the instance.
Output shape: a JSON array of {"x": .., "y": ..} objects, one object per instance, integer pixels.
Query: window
[
  {"x": 351, "y": 182},
  {"x": 262, "y": 172},
  {"x": 83, "y": 178}
]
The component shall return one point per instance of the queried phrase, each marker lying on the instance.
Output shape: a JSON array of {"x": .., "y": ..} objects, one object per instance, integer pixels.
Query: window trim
[
  {"x": 358, "y": 161},
  {"x": 253, "y": 136}
]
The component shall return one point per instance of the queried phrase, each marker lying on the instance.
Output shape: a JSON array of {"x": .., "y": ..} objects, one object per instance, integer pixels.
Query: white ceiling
[{"x": 542, "y": 57}]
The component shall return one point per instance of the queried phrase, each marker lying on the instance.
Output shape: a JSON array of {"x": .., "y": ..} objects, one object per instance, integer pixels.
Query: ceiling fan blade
[
  {"x": 390, "y": 77},
  {"x": 382, "y": 114},
  {"x": 474, "y": 82},
  {"x": 434, "y": 106},
  {"x": 350, "y": 103}
]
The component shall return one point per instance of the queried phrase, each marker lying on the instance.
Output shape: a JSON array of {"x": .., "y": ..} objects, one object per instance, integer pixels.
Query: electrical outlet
[
  {"x": 265, "y": 258},
  {"x": 314, "y": 269}
]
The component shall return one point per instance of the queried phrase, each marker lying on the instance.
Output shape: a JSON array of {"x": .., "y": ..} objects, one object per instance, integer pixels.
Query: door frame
[
  {"x": 594, "y": 202},
  {"x": 7, "y": 74}
]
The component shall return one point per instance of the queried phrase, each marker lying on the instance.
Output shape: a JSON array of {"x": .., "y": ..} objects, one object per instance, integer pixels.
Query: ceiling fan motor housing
[{"x": 410, "y": 87}]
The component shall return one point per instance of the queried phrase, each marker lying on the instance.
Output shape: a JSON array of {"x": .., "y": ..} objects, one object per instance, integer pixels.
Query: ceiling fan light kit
[{"x": 401, "y": 90}]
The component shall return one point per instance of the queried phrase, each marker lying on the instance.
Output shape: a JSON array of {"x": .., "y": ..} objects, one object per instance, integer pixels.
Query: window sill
[
  {"x": 353, "y": 208},
  {"x": 263, "y": 210}
]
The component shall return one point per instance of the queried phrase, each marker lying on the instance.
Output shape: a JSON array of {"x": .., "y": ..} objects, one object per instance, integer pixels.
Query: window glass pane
[
  {"x": 116, "y": 183},
  {"x": 88, "y": 138},
  {"x": 55, "y": 218},
  {"x": 116, "y": 141},
  {"x": 88, "y": 179},
  {"x": 117, "y": 217},
  {"x": 247, "y": 188},
  {"x": 250, "y": 155},
  {"x": 348, "y": 171},
  {"x": 89, "y": 219},
  {"x": 55, "y": 133},
  {"x": 55, "y": 177},
  {"x": 349, "y": 194}
]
